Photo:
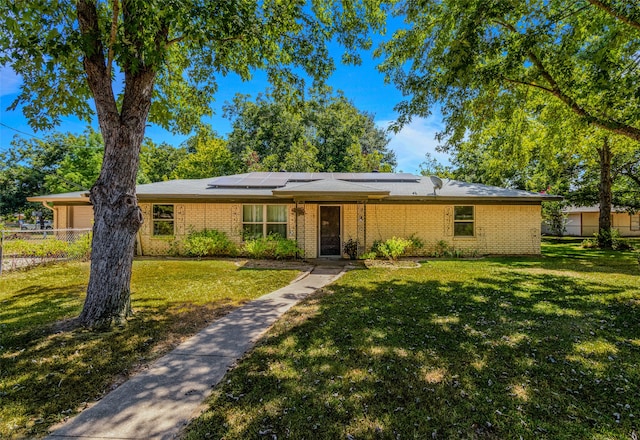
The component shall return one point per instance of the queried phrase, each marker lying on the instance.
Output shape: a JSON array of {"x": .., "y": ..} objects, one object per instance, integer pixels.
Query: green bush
[
  {"x": 45, "y": 248},
  {"x": 369, "y": 255},
  {"x": 617, "y": 243},
  {"x": 208, "y": 243},
  {"x": 50, "y": 247},
  {"x": 271, "y": 247},
  {"x": 442, "y": 249},
  {"x": 81, "y": 248},
  {"x": 392, "y": 248},
  {"x": 416, "y": 245}
]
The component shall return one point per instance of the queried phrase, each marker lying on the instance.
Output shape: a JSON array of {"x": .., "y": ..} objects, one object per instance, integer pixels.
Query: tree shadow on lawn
[
  {"x": 47, "y": 375},
  {"x": 496, "y": 356},
  {"x": 569, "y": 257}
]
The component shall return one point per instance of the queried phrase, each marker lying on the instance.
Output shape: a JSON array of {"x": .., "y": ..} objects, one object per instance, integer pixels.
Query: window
[
  {"x": 262, "y": 220},
  {"x": 163, "y": 220},
  {"x": 463, "y": 220}
]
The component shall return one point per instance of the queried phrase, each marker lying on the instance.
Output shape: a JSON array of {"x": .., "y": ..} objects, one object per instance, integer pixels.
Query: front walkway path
[{"x": 159, "y": 402}]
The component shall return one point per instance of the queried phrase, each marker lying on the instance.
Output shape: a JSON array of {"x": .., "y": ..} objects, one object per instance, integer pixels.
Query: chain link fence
[{"x": 25, "y": 248}]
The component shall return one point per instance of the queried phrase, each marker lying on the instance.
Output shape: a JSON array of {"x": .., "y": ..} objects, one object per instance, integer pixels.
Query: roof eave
[{"x": 331, "y": 195}]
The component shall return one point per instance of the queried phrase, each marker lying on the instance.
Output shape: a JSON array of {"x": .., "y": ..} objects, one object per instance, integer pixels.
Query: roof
[
  {"x": 592, "y": 208},
  {"x": 318, "y": 186}
]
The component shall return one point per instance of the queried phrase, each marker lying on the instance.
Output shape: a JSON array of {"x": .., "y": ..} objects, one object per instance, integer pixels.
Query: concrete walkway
[{"x": 159, "y": 402}]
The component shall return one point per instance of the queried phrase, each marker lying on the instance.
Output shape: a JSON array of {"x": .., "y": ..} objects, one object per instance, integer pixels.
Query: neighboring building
[
  {"x": 582, "y": 221},
  {"x": 323, "y": 210}
]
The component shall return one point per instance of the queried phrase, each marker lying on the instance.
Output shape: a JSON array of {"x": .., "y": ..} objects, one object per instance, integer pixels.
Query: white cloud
[
  {"x": 414, "y": 141},
  {"x": 10, "y": 81}
]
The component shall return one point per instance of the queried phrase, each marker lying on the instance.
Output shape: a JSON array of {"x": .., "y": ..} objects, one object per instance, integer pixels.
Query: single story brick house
[
  {"x": 323, "y": 210},
  {"x": 582, "y": 221}
]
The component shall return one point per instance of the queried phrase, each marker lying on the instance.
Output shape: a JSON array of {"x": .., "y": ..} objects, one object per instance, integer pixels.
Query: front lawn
[
  {"x": 496, "y": 348},
  {"x": 46, "y": 375}
]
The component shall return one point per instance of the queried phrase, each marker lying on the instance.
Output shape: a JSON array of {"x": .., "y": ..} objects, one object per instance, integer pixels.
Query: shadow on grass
[
  {"x": 52, "y": 375},
  {"x": 419, "y": 354},
  {"x": 47, "y": 375},
  {"x": 563, "y": 255}
]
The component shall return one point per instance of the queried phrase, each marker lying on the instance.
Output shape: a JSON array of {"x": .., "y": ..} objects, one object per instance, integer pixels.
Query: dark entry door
[{"x": 329, "y": 231}]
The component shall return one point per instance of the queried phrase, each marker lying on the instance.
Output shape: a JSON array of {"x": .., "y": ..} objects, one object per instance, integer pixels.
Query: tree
[
  {"x": 156, "y": 62},
  {"x": 60, "y": 162},
  {"x": 583, "y": 54},
  {"x": 80, "y": 166},
  {"x": 538, "y": 144},
  {"x": 158, "y": 162},
  {"x": 324, "y": 133},
  {"x": 431, "y": 167},
  {"x": 207, "y": 156}
]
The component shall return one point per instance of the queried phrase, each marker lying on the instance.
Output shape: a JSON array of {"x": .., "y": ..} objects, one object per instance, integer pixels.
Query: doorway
[{"x": 330, "y": 244}]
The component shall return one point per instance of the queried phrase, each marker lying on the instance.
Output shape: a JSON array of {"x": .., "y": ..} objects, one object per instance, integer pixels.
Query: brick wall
[
  {"x": 499, "y": 229},
  {"x": 225, "y": 217},
  {"x": 311, "y": 230}
]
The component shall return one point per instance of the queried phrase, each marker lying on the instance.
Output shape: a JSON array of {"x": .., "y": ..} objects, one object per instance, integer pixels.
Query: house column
[
  {"x": 300, "y": 221},
  {"x": 361, "y": 235}
]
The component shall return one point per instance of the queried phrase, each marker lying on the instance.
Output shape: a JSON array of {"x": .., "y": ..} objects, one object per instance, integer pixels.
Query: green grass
[
  {"x": 45, "y": 375},
  {"x": 495, "y": 348}
]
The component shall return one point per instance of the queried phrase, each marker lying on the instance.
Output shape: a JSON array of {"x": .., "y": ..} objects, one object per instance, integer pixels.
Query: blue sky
[{"x": 363, "y": 85}]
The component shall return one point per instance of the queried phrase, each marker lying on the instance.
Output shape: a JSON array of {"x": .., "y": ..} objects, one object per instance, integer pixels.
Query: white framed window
[
  {"x": 163, "y": 220},
  {"x": 463, "y": 221},
  {"x": 263, "y": 220}
]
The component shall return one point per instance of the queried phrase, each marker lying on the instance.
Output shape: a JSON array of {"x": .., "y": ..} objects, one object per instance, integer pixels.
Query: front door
[{"x": 330, "y": 231}]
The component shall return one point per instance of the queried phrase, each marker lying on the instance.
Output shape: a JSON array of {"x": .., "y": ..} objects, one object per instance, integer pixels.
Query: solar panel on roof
[
  {"x": 252, "y": 180},
  {"x": 379, "y": 177},
  {"x": 276, "y": 180}
]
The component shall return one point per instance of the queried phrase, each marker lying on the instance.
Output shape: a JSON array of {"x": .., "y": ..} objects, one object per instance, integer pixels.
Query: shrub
[
  {"x": 391, "y": 248},
  {"x": 416, "y": 244},
  {"x": 369, "y": 255},
  {"x": 257, "y": 248},
  {"x": 442, "y": 249},
  {"x": 350, "y": 247},
  {"x": 554, "y": 217},
  {"x": 81, "y": 248},
  {"x": 271, "y": 247},
  {"x": 208, "y": 243},
  {"x": 46, "y": 248},
  {"x": 617, "y": 243}
]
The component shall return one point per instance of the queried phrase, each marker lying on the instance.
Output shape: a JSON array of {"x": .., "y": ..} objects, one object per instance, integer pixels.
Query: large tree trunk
[
  {"x": 605, "y": 196},
  {"x": 117, "y": 216}
]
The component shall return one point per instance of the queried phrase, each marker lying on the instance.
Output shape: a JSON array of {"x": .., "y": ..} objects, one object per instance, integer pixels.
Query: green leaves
[
  {"x": 452, "y": 52},
  {"x": 188, "y": 44},
  {"x": 324, "y": 133}
]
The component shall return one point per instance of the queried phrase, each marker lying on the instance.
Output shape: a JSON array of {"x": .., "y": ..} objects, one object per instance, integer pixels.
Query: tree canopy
[
  {"x": 60, "y": 162},
  {"x": 583, "y": 54},
  {"x": 323, "y": 133}
]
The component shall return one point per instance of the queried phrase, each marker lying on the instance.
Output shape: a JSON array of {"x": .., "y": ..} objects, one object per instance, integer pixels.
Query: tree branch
[
  {"x": 95, "y": 63},
  {"x": 220, "y": 40},
  {"x": 555, "y": 89},
  {"x": 112, "y": 38},
  {"x": 607, "y": 124},
  {"x": 524, "y": 83},
  {"x": 609, "y": 10},
  {"x": 175, "y": 40}
]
